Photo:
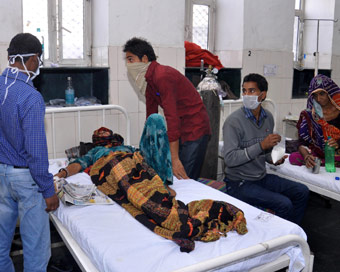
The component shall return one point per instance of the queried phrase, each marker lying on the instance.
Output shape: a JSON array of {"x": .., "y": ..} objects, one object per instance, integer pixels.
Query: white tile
[
  {"x": 141, "y": 123},
  {"x": 134, "y": 134},
  {"x": 127, "y": 96},
  {"x": 141, "y": 107},
  {"x": 113, "y": 62},
  {"x": 96, "y": 57},
  {"x": 249, "y": 62},
  {"x": 180, "y": 60},
  {"x": 298, "y": 106},
  {"x": 113, "y": 92},
  {"x": 121, "y": 64},
  {"x": 168, "y": 56},
  {"x": 156, "y": 50},
  {"x": 105, "y": 56}
]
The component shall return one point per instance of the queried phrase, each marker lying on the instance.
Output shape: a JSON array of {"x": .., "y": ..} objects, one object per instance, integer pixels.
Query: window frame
[
  {"x": 55, "y": 31},
  {"x": 211, "y": 21}
]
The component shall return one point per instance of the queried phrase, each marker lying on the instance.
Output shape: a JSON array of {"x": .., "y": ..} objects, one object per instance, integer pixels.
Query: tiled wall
[
  {"x": 280, "y": 85},
  {"x": 3, "y": 56},
  {"x": 66, "y": 125}
]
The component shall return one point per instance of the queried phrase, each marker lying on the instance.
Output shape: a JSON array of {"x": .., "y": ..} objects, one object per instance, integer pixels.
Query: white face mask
[
  {"x": 251, "y": 101},
  {"x": 15, "y": 70},
  {"x": 137, "y": 71}
]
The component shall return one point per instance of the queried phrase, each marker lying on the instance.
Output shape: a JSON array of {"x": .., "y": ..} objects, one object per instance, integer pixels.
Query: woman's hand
[
  {"x": 309, "y": 160},
  {"x": 331, "y": 142}
]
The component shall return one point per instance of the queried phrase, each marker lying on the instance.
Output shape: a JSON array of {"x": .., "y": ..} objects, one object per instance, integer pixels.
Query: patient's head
[{"x": 105, "y": 137}]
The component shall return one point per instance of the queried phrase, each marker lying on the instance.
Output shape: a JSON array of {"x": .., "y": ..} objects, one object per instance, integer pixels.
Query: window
[
  {"x": 298, "y": 32},
  {"x": 63, "y": 27},
  {"x": 200, "y": 22}
]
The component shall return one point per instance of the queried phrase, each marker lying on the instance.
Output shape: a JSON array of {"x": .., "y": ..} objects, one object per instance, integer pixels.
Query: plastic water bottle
[
  {"x": 69, "y": 93},
  {"x": 329, "y": 157}
]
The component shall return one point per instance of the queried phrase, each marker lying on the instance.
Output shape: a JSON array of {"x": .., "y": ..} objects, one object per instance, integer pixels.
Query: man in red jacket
[{"x": 186, "y": 116}]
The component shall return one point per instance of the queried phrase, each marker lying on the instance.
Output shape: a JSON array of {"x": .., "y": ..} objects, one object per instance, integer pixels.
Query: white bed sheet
[
  {"x": 323, "y": 183},
  {"x": 115, "y": 241},
  {"x": 323, "y": 179}
]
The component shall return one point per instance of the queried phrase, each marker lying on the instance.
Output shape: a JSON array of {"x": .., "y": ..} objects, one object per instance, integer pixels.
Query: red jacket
[{"x": 186, "y": 116}]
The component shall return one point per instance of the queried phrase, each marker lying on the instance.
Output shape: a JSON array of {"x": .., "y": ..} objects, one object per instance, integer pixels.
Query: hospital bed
[
  {"x": 324, "y": 183},
  {"x": 108, "y": 238}
]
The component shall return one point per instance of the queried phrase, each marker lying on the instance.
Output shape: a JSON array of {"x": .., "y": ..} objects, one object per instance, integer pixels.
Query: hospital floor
[{"x": 321, "y": 223}]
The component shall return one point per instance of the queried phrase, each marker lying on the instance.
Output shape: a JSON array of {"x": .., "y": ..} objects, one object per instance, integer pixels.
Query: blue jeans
[
  {"x": 19, "y": 196},
  {"x": 288, "y": 199},
  {"x": 192, "y": 154}
]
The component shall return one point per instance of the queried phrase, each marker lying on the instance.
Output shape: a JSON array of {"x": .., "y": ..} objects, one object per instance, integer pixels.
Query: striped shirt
[
  {"x": 250, "y": 115},
  {"x": 22, "y": 130}
]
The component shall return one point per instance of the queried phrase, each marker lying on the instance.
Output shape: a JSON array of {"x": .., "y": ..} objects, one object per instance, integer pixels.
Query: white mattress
[
  {"x": 323, "y": 182},
  {"x": 323, "y": 179},
  {"x": 115, "y": 241}
]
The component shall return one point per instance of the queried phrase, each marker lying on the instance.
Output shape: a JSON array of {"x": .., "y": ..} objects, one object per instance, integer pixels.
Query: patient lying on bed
[{"x": 137, "y": 180}]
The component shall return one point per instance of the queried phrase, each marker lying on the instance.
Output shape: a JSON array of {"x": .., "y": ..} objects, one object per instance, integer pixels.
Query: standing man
[
  {"x": 248, "y": 141},
  {"x": 26, "y": 186},
  {"x": 186, "y": 116}
]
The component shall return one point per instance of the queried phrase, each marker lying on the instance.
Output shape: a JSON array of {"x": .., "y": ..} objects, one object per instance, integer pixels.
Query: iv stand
[{"x": 316, "y": 53}]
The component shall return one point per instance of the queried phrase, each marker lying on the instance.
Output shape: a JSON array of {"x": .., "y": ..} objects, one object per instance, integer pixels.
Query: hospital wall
[{"x": 250, "y": 34}]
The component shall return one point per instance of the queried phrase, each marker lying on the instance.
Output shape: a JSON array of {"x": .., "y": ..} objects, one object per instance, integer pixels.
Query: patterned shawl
[
  {"x": 108, "y": 141},
  {"x": 314, "y": 132},
  {"x": 130, "y": 182},
  {"x": 154, "y": 146}
]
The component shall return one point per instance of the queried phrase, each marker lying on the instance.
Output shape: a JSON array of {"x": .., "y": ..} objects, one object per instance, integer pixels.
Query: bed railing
[
  {"x": 80, "y": 109},
  {"x": 256, "y": 250}
]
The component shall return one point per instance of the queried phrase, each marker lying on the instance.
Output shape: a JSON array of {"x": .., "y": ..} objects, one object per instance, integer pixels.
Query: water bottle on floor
[{"x": 329, "y": 157}]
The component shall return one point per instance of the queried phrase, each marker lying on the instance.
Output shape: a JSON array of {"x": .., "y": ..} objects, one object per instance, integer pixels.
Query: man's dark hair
[
  {"x": 140, "y": 47},
  {"x": 24, "y": 43},
  {"x": 261, "y": 82}
]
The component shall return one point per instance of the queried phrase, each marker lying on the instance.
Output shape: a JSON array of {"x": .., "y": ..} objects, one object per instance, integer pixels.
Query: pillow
[{"x": 78, "y": 151}]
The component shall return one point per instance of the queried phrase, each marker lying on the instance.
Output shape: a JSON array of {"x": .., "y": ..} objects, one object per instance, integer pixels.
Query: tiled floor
[{"x": 321, "y": 223}]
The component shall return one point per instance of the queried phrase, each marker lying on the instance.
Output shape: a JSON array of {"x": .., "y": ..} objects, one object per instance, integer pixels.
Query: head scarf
[
  {"x": 315, "y": 131},
  {"x": 155, "y": 148},
  {"x": 319, "y": 83},
  {"x": 107, "y": 141}
]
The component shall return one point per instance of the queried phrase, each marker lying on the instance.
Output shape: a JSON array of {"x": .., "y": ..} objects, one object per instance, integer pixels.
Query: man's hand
[
  {"x": 52, "y": 203},
  {"x": 270, "y": 141},
  {"x": 178, "y": 169}
]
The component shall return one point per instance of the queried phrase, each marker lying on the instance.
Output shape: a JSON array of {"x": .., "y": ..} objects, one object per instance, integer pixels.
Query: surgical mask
[
  {"x": 137, "y": 71},
  {"x": 16, "y": 70},
  {"x": 317, "y": 108},
  {"x": 251, "y": 101}
]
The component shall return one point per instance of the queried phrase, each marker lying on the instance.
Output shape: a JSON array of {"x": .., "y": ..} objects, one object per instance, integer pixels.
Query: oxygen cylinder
[{"x": 209, "y": 89}]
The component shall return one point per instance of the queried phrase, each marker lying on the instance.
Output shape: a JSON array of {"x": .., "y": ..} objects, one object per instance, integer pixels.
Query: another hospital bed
[
  {"x": 323, "y": 183},
  {"x": 107, "y": 238}
]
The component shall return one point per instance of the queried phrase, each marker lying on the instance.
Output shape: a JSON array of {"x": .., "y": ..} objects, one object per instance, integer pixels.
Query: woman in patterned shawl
[
  {"x": 154, "y": 147},
  {"x": 137, "y": 181},
  {"x": 318, "y": 122}
]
